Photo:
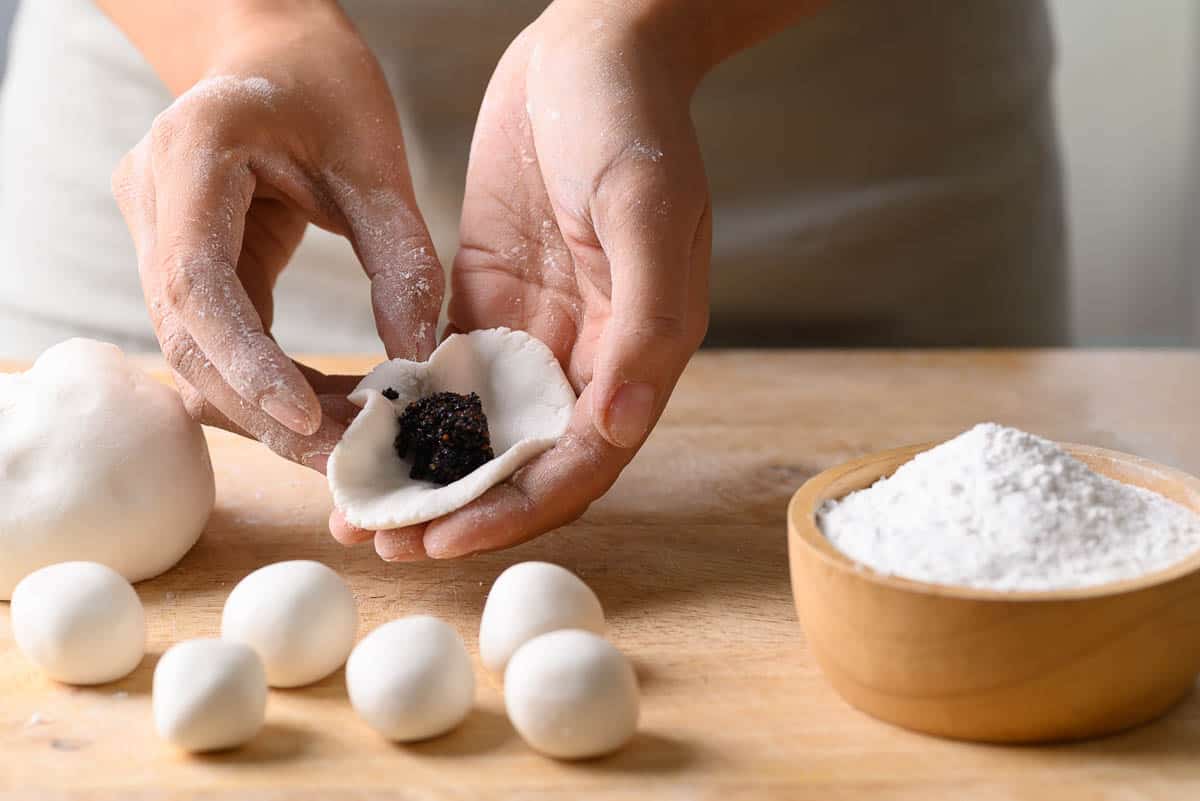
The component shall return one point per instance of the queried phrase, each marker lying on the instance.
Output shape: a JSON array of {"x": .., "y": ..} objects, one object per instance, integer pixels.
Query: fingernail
[
  {"x": 398, "y": 548},
  {"x": 291, "y": 415},
  {"x": 629, "y": 413},
  {"x": 443, "y": 547},
  {"x": 405, "y": 556}
]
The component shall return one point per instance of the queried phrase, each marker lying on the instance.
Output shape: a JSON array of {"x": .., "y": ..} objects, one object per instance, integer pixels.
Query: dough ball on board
[
  {"x": 529, "y": 599},
  {"x": 411, "y": 679},
  {"x": 571, "y": 695},
  {"x": 80, "y": 622},
  {"x": 299, "y": 616},
  {"x": 526, "y": 398},
  {"x": 209, "y": 695},
  {"x": 98, "y": 462}
]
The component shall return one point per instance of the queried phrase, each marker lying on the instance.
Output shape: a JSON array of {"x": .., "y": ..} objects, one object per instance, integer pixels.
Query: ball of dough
[
  {"x": 209, "y": 695},
  {"x": 570, "y": 694},
  {"x": 299, "y": 616},
  {"x": 80, "y": 622},
  {"x": 529, "y": 599},
  {"x": 411, "y": 679},
  {"x": 100, "y": 463}
]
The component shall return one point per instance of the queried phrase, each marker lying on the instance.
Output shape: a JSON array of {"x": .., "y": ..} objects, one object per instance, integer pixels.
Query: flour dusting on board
[{"x": 1002, "y": 509}]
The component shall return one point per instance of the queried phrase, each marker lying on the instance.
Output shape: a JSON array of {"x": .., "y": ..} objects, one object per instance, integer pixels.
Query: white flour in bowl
[{"x": 1001, "y": 509}]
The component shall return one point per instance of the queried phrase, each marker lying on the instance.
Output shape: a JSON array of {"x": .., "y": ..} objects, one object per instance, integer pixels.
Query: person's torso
[{"x": 856, "y": 135}]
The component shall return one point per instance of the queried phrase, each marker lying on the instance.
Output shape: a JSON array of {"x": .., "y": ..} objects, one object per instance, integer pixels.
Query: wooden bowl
[{"x": 990, "y": 665}]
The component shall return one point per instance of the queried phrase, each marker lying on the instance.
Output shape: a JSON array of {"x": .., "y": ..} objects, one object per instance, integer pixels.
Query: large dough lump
[{"x": 98, "y": 463}]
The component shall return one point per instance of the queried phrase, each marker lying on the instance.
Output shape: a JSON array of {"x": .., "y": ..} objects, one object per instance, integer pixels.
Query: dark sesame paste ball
[{"x": 446, "y": 436}]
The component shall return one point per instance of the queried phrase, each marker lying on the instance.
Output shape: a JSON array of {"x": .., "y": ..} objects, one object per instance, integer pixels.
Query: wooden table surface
[{"x": 688, "y": 554}]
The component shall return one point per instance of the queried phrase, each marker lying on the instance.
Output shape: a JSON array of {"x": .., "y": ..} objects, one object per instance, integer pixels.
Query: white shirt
[{"x": 882, "y": 173}]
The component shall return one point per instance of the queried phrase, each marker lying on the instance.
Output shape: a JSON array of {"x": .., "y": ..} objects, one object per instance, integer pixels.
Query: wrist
[
  {"x": 678, "y": 41},
  {"x": 253, "y": 34},
  {"x": 694, "y": 35},
  {"x": 218, "y": 32}
]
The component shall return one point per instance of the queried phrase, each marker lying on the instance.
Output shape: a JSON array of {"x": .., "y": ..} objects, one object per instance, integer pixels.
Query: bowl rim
[{"x": 804, "y": 532}]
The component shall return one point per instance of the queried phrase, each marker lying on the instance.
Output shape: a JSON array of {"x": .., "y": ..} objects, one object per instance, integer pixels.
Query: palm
[
  {"x": 514, "y": 267},
  {"x": 585, "y": 222},
  {"x": 538, "y": 293}
]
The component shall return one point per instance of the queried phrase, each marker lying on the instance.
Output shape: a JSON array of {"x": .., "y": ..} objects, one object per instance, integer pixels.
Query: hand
[
  {"x": 586, "y": 222},
  {"x": 294, "y": 124}
]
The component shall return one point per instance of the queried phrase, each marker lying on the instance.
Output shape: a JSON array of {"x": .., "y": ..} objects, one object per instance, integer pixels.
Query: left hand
[{"x": 587, "y": 223}]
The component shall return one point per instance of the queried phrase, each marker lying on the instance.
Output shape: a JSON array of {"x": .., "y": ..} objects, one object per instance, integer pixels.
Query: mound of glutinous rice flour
[{"x": 1001, "y": 509}]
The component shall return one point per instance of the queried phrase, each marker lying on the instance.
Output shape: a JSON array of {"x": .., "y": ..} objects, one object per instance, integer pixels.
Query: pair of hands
[{"x": 586, "y": 222}]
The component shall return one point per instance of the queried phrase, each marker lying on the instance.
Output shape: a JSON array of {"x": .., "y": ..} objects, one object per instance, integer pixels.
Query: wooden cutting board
[{"x": 688, "y": 554}]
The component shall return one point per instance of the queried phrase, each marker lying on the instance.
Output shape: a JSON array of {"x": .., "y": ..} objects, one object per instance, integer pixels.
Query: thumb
[{"x": 659, "y": 297}]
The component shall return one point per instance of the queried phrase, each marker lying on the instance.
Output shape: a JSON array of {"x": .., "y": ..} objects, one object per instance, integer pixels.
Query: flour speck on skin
[
  {"x": 997, "y": 508},
  {"x": 643, "y": 150},
  {"x": 228, "y": 86}
]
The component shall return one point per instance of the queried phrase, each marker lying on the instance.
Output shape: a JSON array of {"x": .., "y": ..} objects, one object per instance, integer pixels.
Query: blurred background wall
[
  {"x": 1129, "y": 119},
  {"x": 1129, "y": 114}
]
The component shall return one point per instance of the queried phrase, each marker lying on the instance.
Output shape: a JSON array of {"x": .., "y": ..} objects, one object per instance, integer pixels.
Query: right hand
[{"x": 293, "y": 124}]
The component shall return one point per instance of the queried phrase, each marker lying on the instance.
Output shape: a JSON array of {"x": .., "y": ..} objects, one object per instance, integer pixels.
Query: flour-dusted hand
[
  {"x": 286, "y": 119},
  {"x": 586, "y": 222}
]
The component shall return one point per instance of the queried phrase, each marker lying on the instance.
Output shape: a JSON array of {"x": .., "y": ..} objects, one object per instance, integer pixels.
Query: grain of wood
[{"x": 688, "y": 553}]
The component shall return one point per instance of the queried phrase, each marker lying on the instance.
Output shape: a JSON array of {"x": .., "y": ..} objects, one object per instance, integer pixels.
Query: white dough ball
[
  {"x": 80, "y": 622},
  {"x": 570, "y": 694},
  {"x": 98, "y": 462},
  {"x": 529, "y": 599},
  {"x": 209, "y": 695},
  {"x": 299, "y": 616},
  {"x": 411, "y": 679}
]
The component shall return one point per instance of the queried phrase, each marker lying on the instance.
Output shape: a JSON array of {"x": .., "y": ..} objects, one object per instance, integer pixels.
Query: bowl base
[{"x": 957, "y": 720}]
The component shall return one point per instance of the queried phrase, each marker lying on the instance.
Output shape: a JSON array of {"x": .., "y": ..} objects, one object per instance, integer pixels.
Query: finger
[
  {"x": 549, "y": 492},
  {"x": 202, "y": 411},
  {"x": 333, "y": 391},
  {"x": 345, "y": 532},
  {"x": 401, "y": 544},
  {"x": 200, "y": 221},
  {"x": 210, "y": 400},
  {"x": 273, "y": 232},
  {"x": 133, "y": 189},
  {"x": 393, "y": 243},
  {"x": 658, "y": 264},
  {"x": 324, "y": 384},
  {"x": 392, "y": 545}
]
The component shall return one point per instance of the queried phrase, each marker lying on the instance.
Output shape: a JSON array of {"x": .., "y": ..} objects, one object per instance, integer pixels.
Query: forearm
[
  {"x": 184, "y": 39},
  {"x": 696, "y": 34},
  {"x": 733, "y": 27}
]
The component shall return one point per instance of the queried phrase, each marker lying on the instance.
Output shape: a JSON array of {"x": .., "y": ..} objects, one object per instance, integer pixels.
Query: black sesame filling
[{"x": 446, "y": 435}]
